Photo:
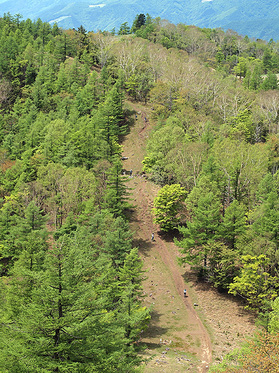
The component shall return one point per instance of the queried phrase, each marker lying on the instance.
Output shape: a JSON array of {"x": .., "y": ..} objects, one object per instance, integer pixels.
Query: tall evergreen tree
[
  {"x": 62, "y": 319},
  {"x": 233, "y": 224},
  {"x": 201, "y": 230},
  {"x": 132, "y": 314},
  {"x": 138, "y": 22},
  {"x": 116, "y": 198}
]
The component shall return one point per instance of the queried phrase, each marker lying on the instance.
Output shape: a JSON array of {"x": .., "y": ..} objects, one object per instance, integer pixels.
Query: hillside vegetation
[{"x": 71, "y": 280}]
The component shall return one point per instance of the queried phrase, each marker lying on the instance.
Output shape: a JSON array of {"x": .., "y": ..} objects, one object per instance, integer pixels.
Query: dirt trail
[
  {"x": 167, "y": 255},
  {"x": 143, "y": 193},
  {"x": 177, "y": 339}
]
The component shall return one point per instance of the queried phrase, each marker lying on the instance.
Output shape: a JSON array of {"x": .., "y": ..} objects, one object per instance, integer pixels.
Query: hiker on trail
[
  {"x": 136, "y": 117},
  {"x": 131, "y": 171},
  {"x": 152, "y": 237},
  {"x": 184, "y": 292}
]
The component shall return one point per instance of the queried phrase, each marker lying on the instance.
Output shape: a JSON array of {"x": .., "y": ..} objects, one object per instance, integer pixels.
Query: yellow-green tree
[{"x": 167, "y": 205}]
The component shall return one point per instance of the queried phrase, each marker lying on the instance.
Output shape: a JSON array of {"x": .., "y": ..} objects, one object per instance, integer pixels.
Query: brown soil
[{"x": 185, "y": 334}]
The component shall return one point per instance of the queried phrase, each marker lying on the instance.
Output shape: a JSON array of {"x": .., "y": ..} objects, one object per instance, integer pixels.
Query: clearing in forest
[{"x": 185, "y": 334}]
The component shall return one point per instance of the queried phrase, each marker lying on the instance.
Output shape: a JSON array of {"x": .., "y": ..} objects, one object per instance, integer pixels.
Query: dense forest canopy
[{"x": 70, "y": 276}]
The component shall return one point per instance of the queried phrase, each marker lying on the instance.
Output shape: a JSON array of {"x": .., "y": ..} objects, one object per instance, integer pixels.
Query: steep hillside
[
  {"x": 194, "y": 108},
  {"x": 256, "y": 19}
]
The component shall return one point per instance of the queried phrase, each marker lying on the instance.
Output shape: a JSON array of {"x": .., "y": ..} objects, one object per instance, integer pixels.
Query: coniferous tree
[
  {"x": 61, "y": 320},
  {"x": 138, "y": 22},
  {"x": 200, "y": 231},
  {"x": 116, "y": 198},
  {"x": 124, "y": 29},
  {"x": 133, "y": 315},
  {"x": 233, "y": 224}
]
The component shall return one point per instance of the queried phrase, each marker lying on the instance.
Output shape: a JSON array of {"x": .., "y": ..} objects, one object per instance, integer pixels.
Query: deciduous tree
[{"x": 168, "y": 205}]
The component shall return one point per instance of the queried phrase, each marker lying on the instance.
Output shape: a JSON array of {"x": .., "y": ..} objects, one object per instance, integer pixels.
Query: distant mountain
[{"x": 255, "y": 18}]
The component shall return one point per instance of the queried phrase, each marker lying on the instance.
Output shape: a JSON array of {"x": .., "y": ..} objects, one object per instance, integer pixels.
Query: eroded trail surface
[{"x": 177, "y": 339}]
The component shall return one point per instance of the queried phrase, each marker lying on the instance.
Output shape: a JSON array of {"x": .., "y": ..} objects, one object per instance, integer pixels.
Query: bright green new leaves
[
  {"x": 167, "y": 206},
  {"x": 242, "y": 126},
  {"x": 254, "y": 283},
  {"x": 243, "y": 165},
  {"x": 273, "y": 324}
]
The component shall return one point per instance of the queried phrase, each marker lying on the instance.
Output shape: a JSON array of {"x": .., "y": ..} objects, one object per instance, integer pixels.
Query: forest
[{"x": 71, "y": 279}]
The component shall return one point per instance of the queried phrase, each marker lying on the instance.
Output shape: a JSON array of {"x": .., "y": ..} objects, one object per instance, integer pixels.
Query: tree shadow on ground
[
  {"x": 144, "y": 246},
  {"x": 222, "y": 294},
  {"x": 170, "y": 236},
  {"x": 153, "y": 331},
  {"x": 129, "y": 122},
  {"x": 130, "y": 213}
]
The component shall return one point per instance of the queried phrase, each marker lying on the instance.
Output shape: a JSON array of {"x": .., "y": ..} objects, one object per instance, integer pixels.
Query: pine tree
[
  {"x": 233, "y": 223},
  {"x": 116, "y": 198},
  {"x": 117, "y": 241},
  {"x": 138, "y": 22},
  {"x": 110, "y": 114},
  {"x": 200, "y": 231},
  {"x": 60, "y": 317},
  {"x": 132, "y": 314}
]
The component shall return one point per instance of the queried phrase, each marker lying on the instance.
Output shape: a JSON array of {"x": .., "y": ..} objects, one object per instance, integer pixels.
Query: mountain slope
[
  {"x": 176, "y": 339},
  {"x": 253, "y": 18}
]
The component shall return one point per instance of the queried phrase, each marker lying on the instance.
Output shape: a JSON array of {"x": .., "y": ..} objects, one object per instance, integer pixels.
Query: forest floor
[{"x": 185, "y": 334}]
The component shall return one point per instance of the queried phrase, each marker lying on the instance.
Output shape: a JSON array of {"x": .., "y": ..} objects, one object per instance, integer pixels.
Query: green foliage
[
  {"x": 157, "y": 160},
  {"x": 132, "y": 314},
  {"x": 22, "y": 228},
  {"x": 60, "y": 314},
  {"x": 139, "y": 85},
  {"x": 270, "y": 82},
  {"x": 116, "y": 198},
  {"x": 124, "y": 29},
  {"x": 243, "y": 165},
  {"x": 200, "y": 231},
  {"x": 168, "y": 205},
  {"x": 223, "y": 264},
  {"x": 139, "y": 21},
  {"x": 273, "y": 324},
  {"x": 233, "y": 224},
  {"x": 214, "y": 117},
  {"x": 242, "y": 126},
  {"x": 255, "y": 284}
]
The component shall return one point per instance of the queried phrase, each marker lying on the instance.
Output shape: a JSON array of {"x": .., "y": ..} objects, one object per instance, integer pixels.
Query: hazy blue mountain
[{"x": 255, "y": 18}]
